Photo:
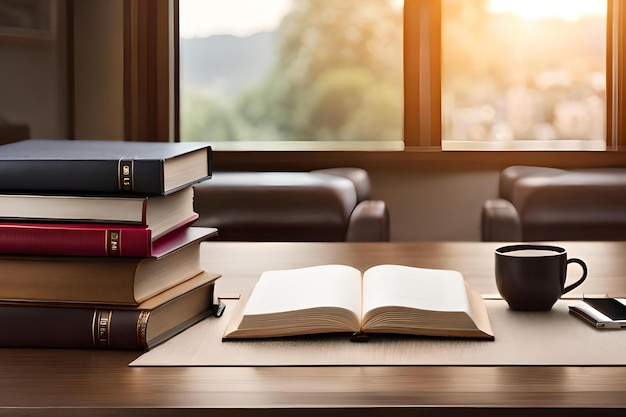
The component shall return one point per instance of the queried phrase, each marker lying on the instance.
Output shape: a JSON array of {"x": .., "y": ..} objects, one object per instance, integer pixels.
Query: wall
[
  {"x": 33, "y": 81},
  {"x": 429, "y": 206},
  {"x": 99, "y": 69},
  {"x": 34, "y": 75}
]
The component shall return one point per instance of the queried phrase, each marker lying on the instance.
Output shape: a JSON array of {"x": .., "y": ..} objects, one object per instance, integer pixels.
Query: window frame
[
  {"x": 151, "y": 70},
  {"x": 151, "y": 52}
]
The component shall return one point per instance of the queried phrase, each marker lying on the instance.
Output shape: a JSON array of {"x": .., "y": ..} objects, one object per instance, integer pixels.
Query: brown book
[
  {"x": 384, "y": 299},
  {"x": 102, "y": 280},
  {"x": 36, "y": 325}
]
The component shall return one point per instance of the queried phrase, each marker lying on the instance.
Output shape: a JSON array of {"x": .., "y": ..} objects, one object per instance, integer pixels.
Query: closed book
[
  {"x": 27, "y": 325},
  {"x": 160, "y": 213},
  {"x": 102, "y": 167},
  {"x": 91, "y": 239},
  {"x": 101, "y": 280}
]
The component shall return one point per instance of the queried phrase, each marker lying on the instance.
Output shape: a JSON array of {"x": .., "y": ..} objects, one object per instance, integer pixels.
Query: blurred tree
[
  {"x": 333, "y": 58},
  {"x": 484, "y": 53},
  {"x": 206, "y": 119},
  {"x": 463, "y": 39}
]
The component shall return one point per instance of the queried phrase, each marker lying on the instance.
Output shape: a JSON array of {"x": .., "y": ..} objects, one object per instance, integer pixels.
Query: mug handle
[{"x": 580, "y": 281}]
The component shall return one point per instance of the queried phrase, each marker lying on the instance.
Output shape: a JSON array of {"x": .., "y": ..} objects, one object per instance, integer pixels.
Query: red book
[{"x": 89, "y": 239}]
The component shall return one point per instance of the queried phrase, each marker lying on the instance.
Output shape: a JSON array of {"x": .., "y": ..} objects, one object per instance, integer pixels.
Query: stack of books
[{"x": 97, "y": 246}]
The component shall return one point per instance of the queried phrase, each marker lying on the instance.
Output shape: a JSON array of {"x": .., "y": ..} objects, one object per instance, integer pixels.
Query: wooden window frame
[
  {"x": 152, "y": 100},
  {"x": 150, "y": 70}
]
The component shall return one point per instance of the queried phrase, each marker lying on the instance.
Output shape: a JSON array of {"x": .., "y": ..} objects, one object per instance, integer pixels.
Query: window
[
  {"x": 433, "y": 111},
  {"x": 524, "y": 74},
  {"x": 289, "y": 72}
]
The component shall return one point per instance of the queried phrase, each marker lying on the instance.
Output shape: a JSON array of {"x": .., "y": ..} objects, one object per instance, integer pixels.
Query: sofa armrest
[
  {"x": 369, "y": 222},
  {"x": 359, "y": 177},
  {"x": 500, "y": 222}
]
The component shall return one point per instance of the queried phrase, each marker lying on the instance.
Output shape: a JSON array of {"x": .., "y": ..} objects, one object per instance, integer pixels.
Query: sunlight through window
[{"x": 524, "y": 74}]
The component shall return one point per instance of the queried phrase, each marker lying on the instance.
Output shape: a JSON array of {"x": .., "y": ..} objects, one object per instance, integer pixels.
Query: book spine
[
  {"x": 83, "y": 176},
  {"x": 25, "y": 326},
  {"x": 65, "y": 279},
  {"x": 22, "y": 239}
]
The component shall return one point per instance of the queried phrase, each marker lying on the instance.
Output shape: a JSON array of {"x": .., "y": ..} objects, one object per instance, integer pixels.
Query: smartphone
[{"x": 601, "y": 313}]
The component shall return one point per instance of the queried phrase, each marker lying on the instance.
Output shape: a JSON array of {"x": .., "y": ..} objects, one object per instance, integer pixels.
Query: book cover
[
  {"x": 28, "y": 325},
  {"x": 102, "y": 167},
  {"x": 160, "y": 213},
  {"x": 92, "y": 239},
  {"x": 101, "y": 280}
]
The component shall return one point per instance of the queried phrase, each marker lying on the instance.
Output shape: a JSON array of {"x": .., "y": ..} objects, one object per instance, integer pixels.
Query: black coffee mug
[{"x": 532, "y": 277}]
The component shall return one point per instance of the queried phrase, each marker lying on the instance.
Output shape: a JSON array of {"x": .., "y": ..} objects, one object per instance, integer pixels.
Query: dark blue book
[{"x": 102, "y": 167}]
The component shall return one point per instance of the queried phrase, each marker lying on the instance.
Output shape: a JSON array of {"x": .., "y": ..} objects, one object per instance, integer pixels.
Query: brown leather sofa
[
  {"x": 541, "y": 204},
  {"x": 322, "y": 205}
]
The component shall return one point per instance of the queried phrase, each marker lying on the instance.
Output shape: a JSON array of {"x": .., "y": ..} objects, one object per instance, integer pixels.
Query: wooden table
[{"x": 99, "y": 383}]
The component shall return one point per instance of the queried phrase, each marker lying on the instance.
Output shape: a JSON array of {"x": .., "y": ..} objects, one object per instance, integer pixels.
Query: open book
[{"x": 384, "y": 299}]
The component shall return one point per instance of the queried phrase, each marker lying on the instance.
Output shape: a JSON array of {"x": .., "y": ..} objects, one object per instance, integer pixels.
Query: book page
[
  {"x": 305, "y": 288},
  {"x": 411, "y": 287}
]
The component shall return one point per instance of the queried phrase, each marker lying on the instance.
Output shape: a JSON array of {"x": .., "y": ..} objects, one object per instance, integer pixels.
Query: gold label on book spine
[
  {"x": 113, "y": 242},
  {"x": 101, "y": 327},
  {"x": 142, "y": 325},
  {"x": 125, "y": 175}
]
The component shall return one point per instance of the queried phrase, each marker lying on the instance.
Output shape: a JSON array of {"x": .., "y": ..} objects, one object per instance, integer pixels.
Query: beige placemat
[{"x": 535, "y": 338}]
